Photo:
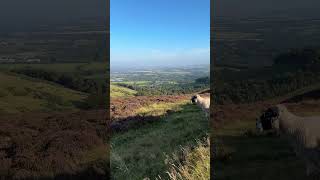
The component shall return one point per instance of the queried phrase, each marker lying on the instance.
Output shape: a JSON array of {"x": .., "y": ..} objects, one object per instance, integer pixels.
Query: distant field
[
  {"x": 19, "y": 94},
  {"x": 163, "y": 81},
  {"x": 138, "y": 83},
  {"x": 118, "y": 91}
]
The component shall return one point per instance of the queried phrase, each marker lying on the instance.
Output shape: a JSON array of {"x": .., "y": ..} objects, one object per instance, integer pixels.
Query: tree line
[{"x": 293, "y": 70}]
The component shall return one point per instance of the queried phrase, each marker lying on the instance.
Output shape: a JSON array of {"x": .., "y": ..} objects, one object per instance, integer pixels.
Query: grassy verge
[{"x": 142, "y": 153}]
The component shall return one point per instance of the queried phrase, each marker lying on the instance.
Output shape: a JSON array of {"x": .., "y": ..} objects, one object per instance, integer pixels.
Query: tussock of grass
[{"x": 195, "y": 163}]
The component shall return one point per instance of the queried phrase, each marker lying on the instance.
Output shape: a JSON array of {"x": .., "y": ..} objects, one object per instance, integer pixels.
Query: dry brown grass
[
  {"x": 192, "y": 164},
  {"x": 42, "y": 145}
]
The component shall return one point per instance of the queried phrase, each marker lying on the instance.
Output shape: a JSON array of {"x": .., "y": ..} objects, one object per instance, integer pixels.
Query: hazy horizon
[{"x": 119, "y": 67}]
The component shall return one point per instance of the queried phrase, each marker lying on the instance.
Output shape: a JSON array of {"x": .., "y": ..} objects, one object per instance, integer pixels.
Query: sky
[{"x": 159, "y": 32}]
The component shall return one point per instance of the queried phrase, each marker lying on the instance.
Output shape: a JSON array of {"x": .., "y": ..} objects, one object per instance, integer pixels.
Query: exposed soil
[{"x": 42, "y": 145}]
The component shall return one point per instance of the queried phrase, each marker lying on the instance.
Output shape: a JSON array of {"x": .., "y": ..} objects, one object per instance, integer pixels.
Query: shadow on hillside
[{"x": 126, "y": 123}]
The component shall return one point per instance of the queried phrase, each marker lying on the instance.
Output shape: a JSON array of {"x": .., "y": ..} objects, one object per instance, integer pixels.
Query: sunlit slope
[
  {"x": 165, "y": 130},
  {"x": 118, "y": 91}
]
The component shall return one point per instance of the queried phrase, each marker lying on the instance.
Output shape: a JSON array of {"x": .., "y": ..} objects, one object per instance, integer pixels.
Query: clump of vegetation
[{"x": 195, "y": 163}]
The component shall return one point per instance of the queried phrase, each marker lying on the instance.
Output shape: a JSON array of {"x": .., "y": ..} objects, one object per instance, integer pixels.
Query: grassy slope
[
  {"x": 143, "y": 152},
  {"x": 259, "y": 157},
  {"x": 18, "y": 94},
  {"x": 96, "y": 70},
  {"x": 117, "y": 91}
]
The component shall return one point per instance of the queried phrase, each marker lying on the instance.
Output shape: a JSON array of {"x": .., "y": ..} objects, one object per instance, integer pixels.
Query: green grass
[
  {"x": 20, "y": 94},
  {"x": 195, "y": 163},
  {"x": 253, "y": 157},
  {"x": 143, "y": 152},
  {"x": 118, "y": 91}
]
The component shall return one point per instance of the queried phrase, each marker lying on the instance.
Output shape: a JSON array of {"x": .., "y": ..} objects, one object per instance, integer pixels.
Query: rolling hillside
[
  {"x": 118, "y": 91},
  {"x": 46, "y": 133},
  {"x": 22, "y": 94}
]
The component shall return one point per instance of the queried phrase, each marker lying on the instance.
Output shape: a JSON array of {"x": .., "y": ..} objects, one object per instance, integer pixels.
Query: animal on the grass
[
  {"x": 304, "y": 133},
  {"x": 202, "y": 102}
]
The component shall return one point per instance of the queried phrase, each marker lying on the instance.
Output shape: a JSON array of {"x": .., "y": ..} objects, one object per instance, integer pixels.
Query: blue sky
[{"x": 160, "y": 32}]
